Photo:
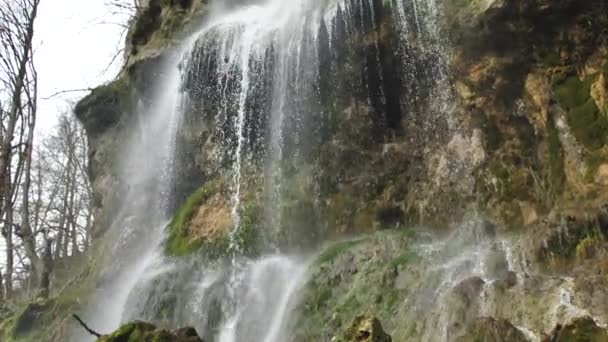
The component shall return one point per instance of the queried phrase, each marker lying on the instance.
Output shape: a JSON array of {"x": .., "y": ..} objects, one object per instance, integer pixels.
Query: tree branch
[{"x": 86, "y": 327}]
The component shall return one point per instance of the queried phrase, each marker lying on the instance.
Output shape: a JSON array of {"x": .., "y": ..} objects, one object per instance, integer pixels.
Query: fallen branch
[{"x": 86, "y": 327}]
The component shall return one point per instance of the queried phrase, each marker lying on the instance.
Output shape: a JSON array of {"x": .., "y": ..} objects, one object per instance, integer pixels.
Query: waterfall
[
  {"x": 137, "y": 229},
  {"x": 267, "y": 80}
]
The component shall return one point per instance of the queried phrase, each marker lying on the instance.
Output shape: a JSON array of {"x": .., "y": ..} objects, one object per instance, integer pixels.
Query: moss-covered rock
[
  {"x": 205, "y": 223},
  {"x": 351, "y": 277},
  {"x": 589, "y": 124},
  {"x": 580, "y": 330},
  {"x": 204, "y": 218},
  {"x": 160, "y": 23},
  {"x": 104, "y": 106},
  {"x": 146, "y": 332},
  {"x": 365, "y": 329}
]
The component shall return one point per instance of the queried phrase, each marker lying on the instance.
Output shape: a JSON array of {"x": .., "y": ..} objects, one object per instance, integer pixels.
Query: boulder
[
  {"x": 366, "y": 329},
  {"x": 146, "y": 332}
]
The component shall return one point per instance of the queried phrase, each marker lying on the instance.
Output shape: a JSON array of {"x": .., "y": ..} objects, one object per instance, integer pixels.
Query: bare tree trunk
[
  {"x": 2, "y": 298},
  {"x": 47, "y": 268},
  {"x": 25, "y": 230},
  {"x": 62, "y": 229},
  {"x": 8, "y": 235},
  {"x": 19, "y": 80}
]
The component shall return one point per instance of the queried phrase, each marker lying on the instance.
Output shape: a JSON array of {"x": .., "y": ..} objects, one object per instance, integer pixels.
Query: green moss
[
  {"x": 404, "y": 259},
  {"x": 512, "y": 182},
  {"x": 351, "y": 278},
  {"x": 337, "y": 249},
  {"x": 588, "y": 246},
  {"x": 249, "y": 233},
  {"x": 588, "y": 124},
  {"x": 179, "y": 242}
]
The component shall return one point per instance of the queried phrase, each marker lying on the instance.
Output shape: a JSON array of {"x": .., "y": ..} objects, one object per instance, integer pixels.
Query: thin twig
[
  {"x": 67, "y": 91},
  {"x": 86, "y": 327}
]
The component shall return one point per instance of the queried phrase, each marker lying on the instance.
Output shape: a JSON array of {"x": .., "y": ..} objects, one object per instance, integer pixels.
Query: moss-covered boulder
[{"x": 146, "y": 332}]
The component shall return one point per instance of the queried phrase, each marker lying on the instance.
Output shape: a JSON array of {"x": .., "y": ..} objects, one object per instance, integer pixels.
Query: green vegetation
[
  {"x": 588, "y": 123},
  {"x": 337, "y": 249},
  {"x": 355, "y": 277},
  {"x": 555, "y": 176},
  {"x": 180, "y": 243},
  {"x": 588, "y": 246}
]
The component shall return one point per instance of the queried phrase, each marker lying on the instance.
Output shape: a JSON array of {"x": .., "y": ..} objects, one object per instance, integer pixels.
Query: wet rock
[
  {"x": 496, "y": 265},
  {"x": 492, "y": 330},
  {"x": 469, "y": 289},
  {"x": 366, "y": 329},
  {"x": 580, "y": 330},
  {"x": 509, "y": 281},
  {"x": 204, "y": 219},
  {"x": 463, "y": 305},
  {"x": 146, "y": 332}
]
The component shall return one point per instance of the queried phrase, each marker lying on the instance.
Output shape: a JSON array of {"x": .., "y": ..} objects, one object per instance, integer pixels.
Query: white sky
[{"x": 76, "y": 40}]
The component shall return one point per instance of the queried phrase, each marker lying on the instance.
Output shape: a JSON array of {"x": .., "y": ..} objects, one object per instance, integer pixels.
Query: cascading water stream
[
  {"x": 146, "y": 169},
  {"x": 264, "y": 73}
]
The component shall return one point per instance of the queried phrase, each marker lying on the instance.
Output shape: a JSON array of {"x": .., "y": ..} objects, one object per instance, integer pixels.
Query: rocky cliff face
[
  {"x": 523, "y": 142},
  {"x": 502, "y": 114}
]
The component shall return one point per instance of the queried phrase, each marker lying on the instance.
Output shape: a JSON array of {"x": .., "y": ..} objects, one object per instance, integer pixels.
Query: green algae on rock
[
  {"x": 204, "y": 223},
  {"x": 589, "y": 124},
  {"x": 183, "y": 238},
  {"x": 352, "y": 276}
]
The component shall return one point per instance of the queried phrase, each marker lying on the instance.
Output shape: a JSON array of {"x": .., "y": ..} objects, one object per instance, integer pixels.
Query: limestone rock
[{"x": 366, "y": 329}]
